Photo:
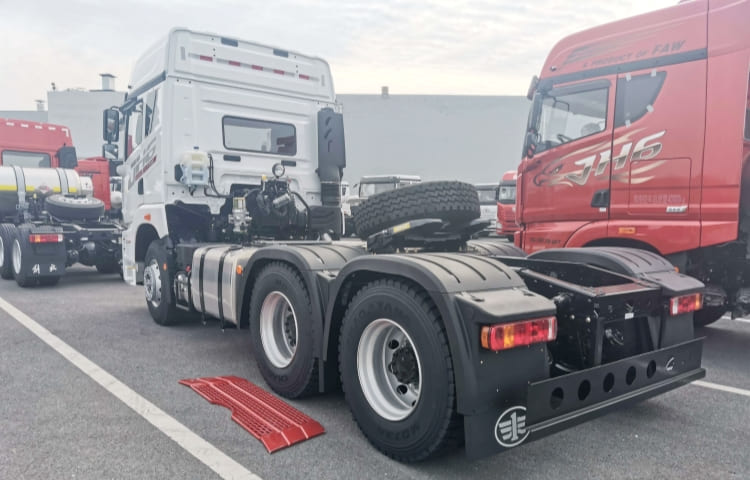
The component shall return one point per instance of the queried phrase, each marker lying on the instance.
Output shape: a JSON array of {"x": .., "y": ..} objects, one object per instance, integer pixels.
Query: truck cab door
[
  {"x": 566, "y": 182},
  {"x": 657, "y": 148}
]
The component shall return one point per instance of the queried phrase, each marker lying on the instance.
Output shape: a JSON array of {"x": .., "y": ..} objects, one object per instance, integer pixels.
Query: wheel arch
[
  {"x": 457, "y": 275},
  {"x": 316, "y": 265},
  {"x": 145, "y": 234}
]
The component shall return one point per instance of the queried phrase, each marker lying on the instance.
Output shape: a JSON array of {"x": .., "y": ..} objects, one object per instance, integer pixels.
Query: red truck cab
[
  {"x": 506, "y": 205},
  {"x": 638, "y": 137},
  {"x": 43, "y": 145}
]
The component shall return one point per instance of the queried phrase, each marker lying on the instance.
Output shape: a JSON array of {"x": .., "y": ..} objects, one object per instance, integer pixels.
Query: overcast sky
[{"x": 459, "y": 47}]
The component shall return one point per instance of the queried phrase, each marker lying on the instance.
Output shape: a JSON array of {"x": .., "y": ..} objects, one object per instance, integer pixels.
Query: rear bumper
[{"x": 559, "y": 403}]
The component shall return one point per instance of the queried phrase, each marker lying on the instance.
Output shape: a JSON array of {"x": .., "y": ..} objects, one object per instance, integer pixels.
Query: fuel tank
[{"x": 17, "y": 183}]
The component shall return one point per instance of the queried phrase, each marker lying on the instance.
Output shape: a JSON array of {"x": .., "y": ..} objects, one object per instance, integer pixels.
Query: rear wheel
[
  {"x": 21, "y": 257},
  {"x": 107, "y": 265},
  {"x": 281, "y": 331},
  {"x": 708, "y": 315},
  {"x": 158, "y": 275},
  {"x": 7, "y": 232},
  {"x": 397, "y": 372}
]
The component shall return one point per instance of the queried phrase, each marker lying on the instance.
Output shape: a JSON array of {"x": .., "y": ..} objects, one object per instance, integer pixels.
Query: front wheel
[
  {"x": 281, "y": 331},
  {"x": 158, "y": 275},
  {"x": 397, "y": 372}
]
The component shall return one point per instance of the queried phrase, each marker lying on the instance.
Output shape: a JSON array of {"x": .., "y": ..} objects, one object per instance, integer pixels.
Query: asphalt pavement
[{"x": 56, "y": 422}]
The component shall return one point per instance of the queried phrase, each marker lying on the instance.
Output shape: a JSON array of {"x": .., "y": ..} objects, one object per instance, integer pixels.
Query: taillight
[
  {"x": 517, "y": 334},
  {"x": 685, "y": 303},
  {"x": 46, "y": 238}
]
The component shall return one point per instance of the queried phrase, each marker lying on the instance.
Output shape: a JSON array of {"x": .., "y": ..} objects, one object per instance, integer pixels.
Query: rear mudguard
[{"x": 469, "y": 291}]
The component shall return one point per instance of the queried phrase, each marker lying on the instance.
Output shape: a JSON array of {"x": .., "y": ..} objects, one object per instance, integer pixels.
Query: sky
[{"x": 445, "y": 47}]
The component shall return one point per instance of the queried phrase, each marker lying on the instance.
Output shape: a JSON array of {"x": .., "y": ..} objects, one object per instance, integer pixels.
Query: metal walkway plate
[{"x": 269, "y": 419}]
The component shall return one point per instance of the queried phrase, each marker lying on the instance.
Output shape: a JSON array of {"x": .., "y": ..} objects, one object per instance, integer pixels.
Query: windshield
[
  {"x": 369, "y": 189},
  {"x": 487, "y": 196},
  {"x": 565, "y": 117},
  {"x": 507, "y": 194},
  {"x": 25, "y": 159}
]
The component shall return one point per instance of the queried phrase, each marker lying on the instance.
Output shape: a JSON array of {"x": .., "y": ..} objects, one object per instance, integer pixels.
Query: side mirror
[
  {"x": 67, "y": 157},
  {"x": 529, "y": 146},
  {"x": 110, "y": 151},
  {"x": 111, "y": 125}
]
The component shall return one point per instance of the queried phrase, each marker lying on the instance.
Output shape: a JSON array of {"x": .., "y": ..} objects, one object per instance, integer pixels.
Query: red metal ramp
[{"x": 269, "y": 419}]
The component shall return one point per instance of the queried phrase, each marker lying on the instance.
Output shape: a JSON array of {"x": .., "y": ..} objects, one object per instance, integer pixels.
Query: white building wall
[{"x": 81, "y": 111}]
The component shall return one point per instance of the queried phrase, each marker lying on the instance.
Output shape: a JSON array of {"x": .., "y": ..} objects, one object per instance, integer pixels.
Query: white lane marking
[
  {"x": 211, "y": 456},
  {"x": 723, "y": 388},
  {"x": 729, "y": 317}
]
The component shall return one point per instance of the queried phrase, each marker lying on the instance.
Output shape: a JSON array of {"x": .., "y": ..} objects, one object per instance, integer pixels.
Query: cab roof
[
  {"x": 27, "y": 135},
  {"x": 637, "y": 43}
]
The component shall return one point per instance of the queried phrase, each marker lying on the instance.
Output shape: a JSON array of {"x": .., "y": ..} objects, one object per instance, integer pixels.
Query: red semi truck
[
  {"x": 52, "y": 206},
  {"x": 506, "y": 205},
  {"x": 639, "y": 136}
]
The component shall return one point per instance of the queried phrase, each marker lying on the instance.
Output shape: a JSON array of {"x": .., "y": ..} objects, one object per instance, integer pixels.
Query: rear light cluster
[
  {"x": 46, "y": 238},
  {"x": 685, "y": 303},
  {"x": 503, "y": 336}
]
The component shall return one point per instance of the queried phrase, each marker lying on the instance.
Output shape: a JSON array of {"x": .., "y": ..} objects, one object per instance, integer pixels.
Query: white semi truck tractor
[{"x": 231, "y": 200}]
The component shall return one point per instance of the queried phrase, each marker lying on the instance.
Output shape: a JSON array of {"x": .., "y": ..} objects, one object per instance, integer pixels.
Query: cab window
[
  {"x": 567, "y": 115},
  {"x": 25, "y": 159},
  {"x": 636, "y": 96},
  {"x": 134, "y": 127}
]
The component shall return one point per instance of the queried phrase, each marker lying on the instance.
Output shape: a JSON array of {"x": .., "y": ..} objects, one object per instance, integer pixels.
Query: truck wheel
[
  {"x": 158, "y": 275},
  {"x": 454, "y": 202},
  {"x": 708, "y": 315},
  {"x": 7, "y": 233},
  {"x": 21, "y": 255},
  {"x": 70, "y": 207},
  {"x": 397, "y": 372},
  {"x": 107, "y": 265},
  {"x": 281, "y": 331}
]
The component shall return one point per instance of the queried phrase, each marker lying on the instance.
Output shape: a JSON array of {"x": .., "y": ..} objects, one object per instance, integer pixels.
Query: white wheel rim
[
  {"x": 383, "y": 350},
  {"x": 16, "y": 257},
  {"x": 152, "y": 283},
  {"x": 278, "y": 329},
  {"x": 2, "y": 251}
]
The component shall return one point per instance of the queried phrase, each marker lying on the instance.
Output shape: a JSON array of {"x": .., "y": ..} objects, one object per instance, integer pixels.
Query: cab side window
[
  {"x": 152, "y": 113},
  {"x": 566, "y": 117},
  {"x": 134, "y": 127},
  {"x": 636, "y": 96}
]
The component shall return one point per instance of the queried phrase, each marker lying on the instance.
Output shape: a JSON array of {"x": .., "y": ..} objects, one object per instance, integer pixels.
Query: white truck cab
[{"x": 206, "y": 122}]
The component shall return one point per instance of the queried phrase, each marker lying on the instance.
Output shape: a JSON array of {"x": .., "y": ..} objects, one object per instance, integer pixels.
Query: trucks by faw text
[{"x": 231, "y": 201}]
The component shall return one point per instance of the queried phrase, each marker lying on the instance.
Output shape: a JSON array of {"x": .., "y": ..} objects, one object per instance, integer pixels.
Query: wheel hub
[
  {"x": 389, "y": 369},
  {"x": 278, "y": 329},
  {"x": 152, "y": 283},
  {"x": 404, "y": 365}
]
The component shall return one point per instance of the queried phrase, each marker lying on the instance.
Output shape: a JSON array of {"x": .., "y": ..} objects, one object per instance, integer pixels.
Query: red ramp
[{"x": 269, "y": 419}]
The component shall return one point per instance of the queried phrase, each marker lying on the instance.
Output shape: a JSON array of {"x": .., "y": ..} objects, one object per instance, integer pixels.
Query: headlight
[{"x": 278, "y": 170}]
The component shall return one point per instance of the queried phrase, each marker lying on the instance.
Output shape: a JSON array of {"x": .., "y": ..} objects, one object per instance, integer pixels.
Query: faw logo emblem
[{"x": 510, "y": 429}]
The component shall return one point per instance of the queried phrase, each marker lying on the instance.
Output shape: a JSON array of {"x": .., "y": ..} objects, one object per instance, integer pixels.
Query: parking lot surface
[{"x": 58, "y": 422}]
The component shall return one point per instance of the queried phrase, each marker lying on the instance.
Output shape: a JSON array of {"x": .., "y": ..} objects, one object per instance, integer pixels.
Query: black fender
[
  {"x": 469, "y": 291},
  {"x": 645, "y": 266},
  {"x": 633, "y": 262},
  {"x": 318, "y": 264},
  {"x": 489, "y": 247}
]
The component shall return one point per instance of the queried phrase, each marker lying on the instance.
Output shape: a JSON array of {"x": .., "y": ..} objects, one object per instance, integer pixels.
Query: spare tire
[
  {"x": 450, "y": 201},
  {"x": 68, "y": 207}
]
